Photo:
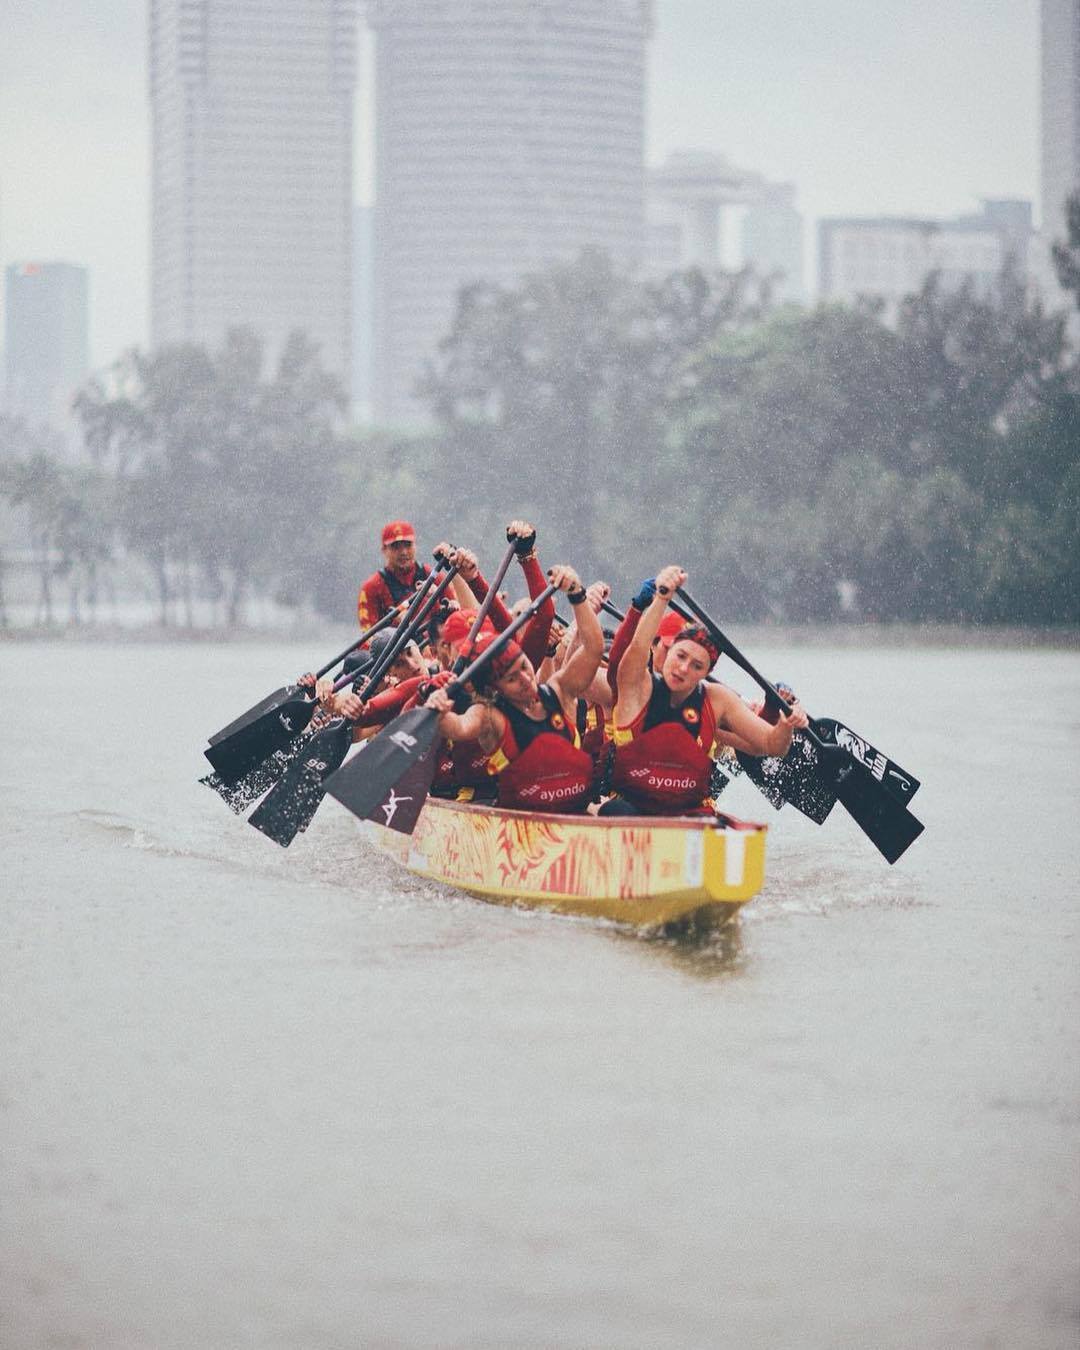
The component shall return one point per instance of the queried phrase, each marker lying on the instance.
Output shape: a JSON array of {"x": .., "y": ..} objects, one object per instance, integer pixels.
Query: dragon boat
[{"x": 644, "y": 871}]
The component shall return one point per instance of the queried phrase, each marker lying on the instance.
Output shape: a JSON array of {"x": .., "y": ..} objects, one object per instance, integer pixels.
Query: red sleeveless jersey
[
  {"x": 539, "y": 763},
  {"x": 663, "y": 758}
]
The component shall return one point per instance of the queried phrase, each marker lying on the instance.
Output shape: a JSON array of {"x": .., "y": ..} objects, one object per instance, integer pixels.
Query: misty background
[{"x": 823, "y": 454}]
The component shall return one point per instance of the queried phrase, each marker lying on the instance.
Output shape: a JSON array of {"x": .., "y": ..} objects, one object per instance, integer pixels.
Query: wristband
[{"x": 577, "y": 597}]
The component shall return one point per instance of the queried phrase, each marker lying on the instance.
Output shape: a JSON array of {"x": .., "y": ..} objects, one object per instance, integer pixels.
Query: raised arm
[
  {"x": 633, "y": 684},
  {"x": 533, "y": 638},
  {"x": 581, "y": 666},
  {"x": 469, "y": 569}
]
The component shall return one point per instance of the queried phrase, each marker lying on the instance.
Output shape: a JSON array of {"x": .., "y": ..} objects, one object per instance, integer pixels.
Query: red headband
[
  {"x": 500, "y": 663},
  {"x": 696, "y": 632}
]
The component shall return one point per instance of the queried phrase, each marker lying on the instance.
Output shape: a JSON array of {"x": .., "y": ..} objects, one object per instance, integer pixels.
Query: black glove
[{"x": 523, "y": 543}]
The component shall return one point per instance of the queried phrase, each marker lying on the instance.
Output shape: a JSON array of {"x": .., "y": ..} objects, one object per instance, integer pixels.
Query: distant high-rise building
[
  {"x": 888, "y": 258},
  {"x": 46, "y": 339},
  {"x": 252, "y": 110},
  {"x": 694, "y": 200},
  {"x": 772, "y": 240},
  {"x": 509, "y": 136},
  {"x": 363, "y": 322},
  {"x": 1060, "y": 112},
  {"x": 688, "y": 200}
]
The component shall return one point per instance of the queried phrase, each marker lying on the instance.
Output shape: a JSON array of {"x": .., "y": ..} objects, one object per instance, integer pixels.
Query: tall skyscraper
[
  {"x": 46, "y": 340},
  {"x": 363, "y": 321},
  {"x": 509, "y": 135},
  {"x": 252, "y": 109},
  {"x": 1060, "y": 112}
]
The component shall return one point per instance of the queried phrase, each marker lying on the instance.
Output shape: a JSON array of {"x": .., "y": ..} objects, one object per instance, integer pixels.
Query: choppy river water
[{"x": 256, "y": 1098}]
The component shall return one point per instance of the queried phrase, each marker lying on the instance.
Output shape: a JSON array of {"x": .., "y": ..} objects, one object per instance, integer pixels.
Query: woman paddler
[
  {"x": 526, "y": 728},
  {"x": 668, "y": 723}
]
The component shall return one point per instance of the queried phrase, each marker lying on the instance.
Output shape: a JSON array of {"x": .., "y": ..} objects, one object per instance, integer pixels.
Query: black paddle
[
  {"x": 239, "y": 796},
  {"x": 370, "y": 777},
  {"x": 289, "y": 691},
  {"x": 482, "y": 613},
  {"x": 290, "y": 807},
  {"x": 882, "y": 817},
  {"x": 236, "y": 755},
  {"x": 797, "y": 778},
  {"x": 832, "y": 733}
]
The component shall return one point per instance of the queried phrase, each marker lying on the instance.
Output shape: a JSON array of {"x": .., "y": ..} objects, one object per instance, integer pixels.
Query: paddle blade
[
  {"x": 900, "y": 784},
  {"x": 257, "y": 782},
  {"x": 256, "y": 710},
  {"x": 289, "y": 807},
  {"x": 400, "y": 808},
  {"x": 890, "y": 827},
  {"x": 274, "y": 729},
  {"x": 366, "y": 781},
  {"x": 761, "y": 772},
  {"x": 804, "y": 777},
  {"x": 718, "y": 779}
]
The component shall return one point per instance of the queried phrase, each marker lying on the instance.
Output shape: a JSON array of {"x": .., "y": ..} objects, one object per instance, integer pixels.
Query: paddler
[
  {"x": 527, "y": 729},
  {"x": 668, "y": 723},
  {"x": 396, "y": 579},
  {"x": 535, "y": 636},
  {"x": 670, "y": 626}
]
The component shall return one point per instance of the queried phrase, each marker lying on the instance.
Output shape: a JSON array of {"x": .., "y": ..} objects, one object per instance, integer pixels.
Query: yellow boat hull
[{"x": 644, "y": 871}]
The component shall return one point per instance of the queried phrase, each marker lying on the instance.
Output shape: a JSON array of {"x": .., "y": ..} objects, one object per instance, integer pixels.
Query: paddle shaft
[
  {"x": 364, "y": 781},
  {"x": 504, "y": 638},
  {"x": 389, "y": 618},
  {"x": 418, "y": 610},
  {"x": 618, "y": 615},
  {"x": 485, "y": 608},
  {"x": 729, "y": 650}
]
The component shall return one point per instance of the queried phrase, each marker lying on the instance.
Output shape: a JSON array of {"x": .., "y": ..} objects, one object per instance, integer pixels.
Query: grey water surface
[{"x": 299, "y": 1099}]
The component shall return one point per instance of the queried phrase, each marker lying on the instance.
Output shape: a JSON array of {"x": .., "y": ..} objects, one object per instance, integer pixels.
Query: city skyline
[
  {"x": 252, "y": 172},
  {"x": 935, "y": 116},
  {"x": 506, "y": 141}
]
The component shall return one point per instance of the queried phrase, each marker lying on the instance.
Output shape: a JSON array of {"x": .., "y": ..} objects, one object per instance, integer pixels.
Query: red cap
[
  {"x": 398, "y": 529},
  {"x": 458, "y": 624},
  {"x": 671, "y": 625},
  {"x": 499, "y": 664}
]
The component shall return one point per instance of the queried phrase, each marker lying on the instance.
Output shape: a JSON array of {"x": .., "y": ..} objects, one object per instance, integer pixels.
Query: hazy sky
[{"x": 869, "y": 106}]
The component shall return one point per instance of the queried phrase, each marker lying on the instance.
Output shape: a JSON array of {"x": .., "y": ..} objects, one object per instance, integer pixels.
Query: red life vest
[
  {"x": 663, "y": 758},
  {"x": 461, "y": 771},
  {"x": 383, "y": 590},
  {"x": 539, "y": 763}
]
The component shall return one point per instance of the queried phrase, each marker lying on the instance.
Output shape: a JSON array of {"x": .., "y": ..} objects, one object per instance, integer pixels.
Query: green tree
[
  {"x": 552, "y": 397},
  {"x": 1066, "y": 252},
  {"x": 224, "y": 471},
  {"x": 69, "y": 517},
  {"x": 974, "y": 365}
]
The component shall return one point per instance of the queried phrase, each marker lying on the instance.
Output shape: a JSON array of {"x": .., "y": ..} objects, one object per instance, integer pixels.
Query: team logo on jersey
[
  {"x": 691, "y": 715},
  {"x": 558, "y": 721}
]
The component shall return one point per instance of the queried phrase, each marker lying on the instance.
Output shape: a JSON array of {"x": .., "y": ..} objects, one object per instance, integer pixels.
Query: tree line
[{"x": 804, "y": 464}]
